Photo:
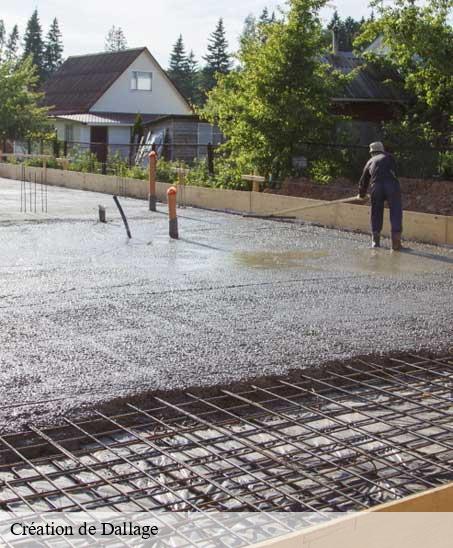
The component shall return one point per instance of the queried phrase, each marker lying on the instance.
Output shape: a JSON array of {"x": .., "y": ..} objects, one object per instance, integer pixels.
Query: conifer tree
[
  {"x": 12, "y": 46},
  {"x": 53, "y": 50},
  {"x": 218, "y": 60},
  {"x": 193, "y": 77},
  {"x": 2, "y": 38},
  {"x": 33, "y": 43},
  {"x": 178, "y": 67},
  {"x": 115, "y": 40}
]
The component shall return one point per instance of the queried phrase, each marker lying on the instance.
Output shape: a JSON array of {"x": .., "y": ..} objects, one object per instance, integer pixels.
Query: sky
[{"x": 155, "y": 24}]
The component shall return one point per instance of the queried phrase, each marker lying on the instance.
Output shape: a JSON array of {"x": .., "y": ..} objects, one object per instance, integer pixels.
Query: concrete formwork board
[{"x": 421, "y": 227}]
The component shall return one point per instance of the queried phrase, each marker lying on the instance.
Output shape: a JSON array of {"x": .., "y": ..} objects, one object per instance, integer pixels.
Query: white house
[{"x": 95, "y": 98}]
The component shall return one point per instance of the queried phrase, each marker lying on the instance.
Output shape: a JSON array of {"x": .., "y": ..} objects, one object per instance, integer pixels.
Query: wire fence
[{"x": 321, "y": 162}]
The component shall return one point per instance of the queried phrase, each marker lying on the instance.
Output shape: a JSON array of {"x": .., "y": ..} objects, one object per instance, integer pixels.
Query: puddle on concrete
[
  {"x": 383, "y": 261},
  {"x": 283, "y": 259}
]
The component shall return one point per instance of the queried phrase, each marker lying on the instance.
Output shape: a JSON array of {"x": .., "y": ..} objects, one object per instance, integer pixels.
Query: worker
[{"x": 380, "y": 174}]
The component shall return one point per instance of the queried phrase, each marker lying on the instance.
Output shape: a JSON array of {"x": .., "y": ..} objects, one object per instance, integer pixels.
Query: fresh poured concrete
[{"x": 87, "y": 316}]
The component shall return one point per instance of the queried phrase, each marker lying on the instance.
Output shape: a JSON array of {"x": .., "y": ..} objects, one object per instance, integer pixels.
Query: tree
[
  {"x": 249, "y": 29},
  {"x": 347, "y": 30},
  {"x": 183, "y": 70},
  {"x": 33, "y": 43},
  {"x": 218, "y": 60},
  {"x": 115, "y": 40},
  {"x": 178, "y": 68},
  {"x": 20, "y": 115},
  {"x": 193, "y": 79},
  {"x": 281, "y": 97},
  {"x": 2, "y": 38},
  {"x": 418, "y": 46},
  {"x": 12, "y": 46},
  {"x": 53, "y": 51}
]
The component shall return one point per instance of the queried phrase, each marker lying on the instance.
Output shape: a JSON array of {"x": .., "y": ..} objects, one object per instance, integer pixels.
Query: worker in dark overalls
[{"x": 380, "y": 174}]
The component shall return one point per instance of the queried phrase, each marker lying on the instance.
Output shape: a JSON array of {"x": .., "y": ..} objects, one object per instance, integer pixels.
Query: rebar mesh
[{"x": 347, "y": 438}]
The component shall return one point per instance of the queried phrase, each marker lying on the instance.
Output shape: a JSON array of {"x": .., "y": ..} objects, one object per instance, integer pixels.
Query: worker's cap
[{"x": 377, "y": 147}]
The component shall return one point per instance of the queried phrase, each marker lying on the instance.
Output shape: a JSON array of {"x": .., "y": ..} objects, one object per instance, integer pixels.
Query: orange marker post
[
  {"x": 152, "y": 170},
  {"x": 173, "y": 219}
]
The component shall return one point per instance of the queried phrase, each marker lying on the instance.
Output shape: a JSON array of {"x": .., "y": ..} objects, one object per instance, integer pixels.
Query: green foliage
[
  {"x": 84, "y": 161},
  {"x": 166, "y": 172},
  {"x": 446, "y": 165},
  {"x": 12, "y": 46},
  {"x": 281, "y": 97},
  {"x": 183, "y": 70},
  {"x": 346, "y": 29},
  {"x": 20, "y": 115},
  {"x": 323, "y": 171},
  {"x": 218, "y": 60},
  {"x": 418, "y": 43},
  {"x": 53, "y": 50},
  {"x": 33, "y": 43}
]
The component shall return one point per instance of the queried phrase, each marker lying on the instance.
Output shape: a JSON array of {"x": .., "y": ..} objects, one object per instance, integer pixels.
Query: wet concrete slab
[{"x": 87, "y": 316}]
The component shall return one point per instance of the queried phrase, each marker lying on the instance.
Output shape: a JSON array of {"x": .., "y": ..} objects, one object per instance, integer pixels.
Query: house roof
[
  {"x": 369, "y": 84},
  {"x": 107, "y": 118},
  {"x": 83, "y": 79}
]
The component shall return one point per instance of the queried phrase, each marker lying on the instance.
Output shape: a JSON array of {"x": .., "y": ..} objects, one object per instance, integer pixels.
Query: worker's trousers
[{"x": 389, "y": 192}]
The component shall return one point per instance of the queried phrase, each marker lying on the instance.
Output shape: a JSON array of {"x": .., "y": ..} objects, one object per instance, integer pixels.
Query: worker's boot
[
  {"x": 396, "y": 241},
  {"x": 376, "y": 240}
]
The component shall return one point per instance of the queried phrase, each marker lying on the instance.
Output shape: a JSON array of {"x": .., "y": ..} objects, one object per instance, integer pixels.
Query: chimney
[{"x": 335, "y": 46}]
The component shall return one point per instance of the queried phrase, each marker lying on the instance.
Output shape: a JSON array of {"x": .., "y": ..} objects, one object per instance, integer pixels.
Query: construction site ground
[{"x": 88, "y": 317}]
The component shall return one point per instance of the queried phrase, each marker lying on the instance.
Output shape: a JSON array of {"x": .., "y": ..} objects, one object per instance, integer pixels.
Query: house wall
[
  {"x": 162, "y": 99},
  {"x": 117, "y": 138}
]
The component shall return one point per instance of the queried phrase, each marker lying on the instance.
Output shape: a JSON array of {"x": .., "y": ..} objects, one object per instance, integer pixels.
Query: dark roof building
[
  {"x": 82, "y": 80},
  {"x": 371, "y": 95}
]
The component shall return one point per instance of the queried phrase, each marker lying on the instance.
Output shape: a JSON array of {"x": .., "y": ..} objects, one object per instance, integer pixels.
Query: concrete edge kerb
[{"x": 422, "y": 227}]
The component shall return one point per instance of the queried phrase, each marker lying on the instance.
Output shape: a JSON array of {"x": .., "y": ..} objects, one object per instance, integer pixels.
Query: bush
[
  {"x": 323, "y": 171},
  {"x": 446, "y": 164},
  {"x": 84, "y": 161},
  {"x": 166, "y": 171}
]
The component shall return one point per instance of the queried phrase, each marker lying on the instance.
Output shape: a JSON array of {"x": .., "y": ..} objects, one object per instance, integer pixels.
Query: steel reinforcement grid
[{"x": 346, "y": 438}]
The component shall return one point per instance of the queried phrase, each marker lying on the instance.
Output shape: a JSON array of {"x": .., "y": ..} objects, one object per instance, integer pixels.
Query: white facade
[{"x": 163, "y": 98}]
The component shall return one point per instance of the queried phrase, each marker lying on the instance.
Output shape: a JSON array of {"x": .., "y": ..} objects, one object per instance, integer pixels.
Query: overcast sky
[{"x": 155, "y": 24}]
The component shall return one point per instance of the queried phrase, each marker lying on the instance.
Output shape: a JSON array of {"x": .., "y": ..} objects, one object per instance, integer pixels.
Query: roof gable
[{"x": 82, "y": 80}]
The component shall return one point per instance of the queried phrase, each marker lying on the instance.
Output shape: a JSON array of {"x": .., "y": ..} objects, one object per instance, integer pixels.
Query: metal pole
[
  {"x": 152, "y": 176},
  {"x": 123, "y": 216}
]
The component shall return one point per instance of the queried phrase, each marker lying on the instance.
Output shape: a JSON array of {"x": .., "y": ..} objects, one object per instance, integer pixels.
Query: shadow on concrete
[{"x": 430, "y": 256}]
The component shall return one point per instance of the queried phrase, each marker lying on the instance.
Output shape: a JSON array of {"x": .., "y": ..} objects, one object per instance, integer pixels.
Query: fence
[{"x": 321, "y": 162}]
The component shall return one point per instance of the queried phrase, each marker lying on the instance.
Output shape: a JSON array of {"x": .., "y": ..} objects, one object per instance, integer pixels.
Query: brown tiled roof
[{"x": 83, "y": 79}]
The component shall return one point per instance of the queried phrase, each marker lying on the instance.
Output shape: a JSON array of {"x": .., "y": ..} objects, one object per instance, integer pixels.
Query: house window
[
  {"x": 142, "y": 81},
  {"x": 69, "y": 132}
]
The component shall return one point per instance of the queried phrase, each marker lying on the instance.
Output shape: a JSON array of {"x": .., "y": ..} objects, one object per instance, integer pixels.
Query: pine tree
[
  {"x": 178, "y": 61},
  {"x": 12, "y": 46},
  {"x": 33, "y": 43},
  {"x": 53, "y": 50},
  {"x": 2, "y": 38},
  {"x": 179, "y": 67},
  {"x": 193, "y": 79},
  {"x": 249, "y": 30},
  {"x": 115, "y": 40},
  {"x": 218, "y": 60}
]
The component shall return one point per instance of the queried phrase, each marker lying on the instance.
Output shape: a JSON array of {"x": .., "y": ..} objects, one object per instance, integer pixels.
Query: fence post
[
  {"x": 210, "y": 160},
  {"x": 152, "y": 172},
  {"x": 172, "y": 216},
  {"x": 65, "y": 148}
]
